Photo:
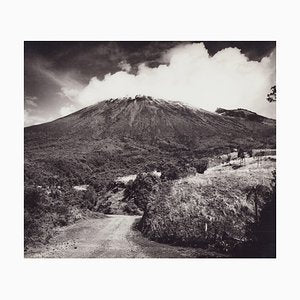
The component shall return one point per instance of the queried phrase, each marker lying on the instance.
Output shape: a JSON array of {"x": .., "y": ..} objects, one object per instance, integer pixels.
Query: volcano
[{"x": 118, "y": 135}]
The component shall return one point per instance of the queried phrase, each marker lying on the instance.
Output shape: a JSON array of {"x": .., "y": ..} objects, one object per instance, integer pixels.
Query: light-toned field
[{"x": 251, "y": 171}]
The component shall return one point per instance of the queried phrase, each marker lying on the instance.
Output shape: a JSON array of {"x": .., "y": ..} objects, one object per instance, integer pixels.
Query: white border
[{"x": 148, "y": 20}]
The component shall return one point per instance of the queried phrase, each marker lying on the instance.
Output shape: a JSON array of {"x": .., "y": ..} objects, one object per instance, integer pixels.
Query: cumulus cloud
[
  {"x": 66, "y": 110},
  {"x": 32, "y": 117},
  {"x": 123, "y": 65},
  {"x": 70, "y": 93},
  {"x": 187, "y": 73}
]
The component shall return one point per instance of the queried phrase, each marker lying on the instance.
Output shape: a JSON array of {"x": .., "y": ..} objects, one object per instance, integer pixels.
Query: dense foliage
[
  {"x": 47, "y": 209},
  {"x": 140, "y": 189}
]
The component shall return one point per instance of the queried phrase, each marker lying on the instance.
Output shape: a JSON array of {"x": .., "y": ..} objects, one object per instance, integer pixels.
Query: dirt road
[{"x": 112, "y": 236}]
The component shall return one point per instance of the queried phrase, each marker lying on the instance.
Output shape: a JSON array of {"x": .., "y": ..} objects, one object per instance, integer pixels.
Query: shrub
[
  {"x": 228, "y": 159},
  {"x": 32, "y": 228},
  {"x": 170, "y": 172},
  {"x": 201, "y": 165},
  {"x": 250, "y": 152},
  {"x": 34, "y": 207},
  {"x": 90, "y": 198},
  {"x": 43, "y": 212},
  {"x": 140, "y": 189},
  {"x": 32, "y": 197},
  {"x": 191, "y": 171},
  {"x": 241, "y": 153},
  {"x": 150, "y": 167}
]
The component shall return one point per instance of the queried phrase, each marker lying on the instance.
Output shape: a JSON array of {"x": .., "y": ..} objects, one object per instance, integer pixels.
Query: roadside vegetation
[
  {"x": 46, "y": 210},
  {"x": 182, "y": 202},
  {"x": 226, "y": 210},
  {"x": 52, "y": 203}
]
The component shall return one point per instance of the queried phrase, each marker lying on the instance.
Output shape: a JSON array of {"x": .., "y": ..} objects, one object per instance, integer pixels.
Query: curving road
[{"x": 112, "y": 236}]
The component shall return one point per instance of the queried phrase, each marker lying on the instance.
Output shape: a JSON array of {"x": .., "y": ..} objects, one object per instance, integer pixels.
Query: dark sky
[
  {"x": 51, "y": 66},
  {"x": 98, "y": 58}
]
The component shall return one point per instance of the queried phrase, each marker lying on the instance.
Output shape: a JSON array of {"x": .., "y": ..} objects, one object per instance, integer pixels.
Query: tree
[
  {"x": 241, "y": 155},
  {"x": 271, "y": 97},
  {"x": 90, "y": 198},
  {"x": 140, "y": 189}
]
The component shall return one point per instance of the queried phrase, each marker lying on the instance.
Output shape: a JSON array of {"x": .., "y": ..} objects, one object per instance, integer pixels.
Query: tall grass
[{"x": 201, "y": 210}]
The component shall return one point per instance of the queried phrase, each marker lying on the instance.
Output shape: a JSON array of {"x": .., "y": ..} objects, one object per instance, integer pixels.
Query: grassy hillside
[{"x": 214, "y": 209}]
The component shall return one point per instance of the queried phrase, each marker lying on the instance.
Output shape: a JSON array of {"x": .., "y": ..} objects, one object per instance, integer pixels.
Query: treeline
[{"x": 63, "y": 166}]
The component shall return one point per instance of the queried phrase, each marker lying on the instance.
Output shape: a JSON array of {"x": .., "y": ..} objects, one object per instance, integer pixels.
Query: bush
[
  {"x": 150, "y": 167},
  {"x": 44, "y": 211},
  {"x": 191, "y": 171},
  {"x": 170, "y": 172},
  {"x": 250, "y": 152},
  {"x": 139, "y": 190},
  {"x": 201, "y": 165},
  {"x": 32, "y": 197},
  {"x": 34, "y": 206},
  {"x": 228, "y": 159},
  {"x": 241, "y": 153},
  {"x": 90, "y": 198},
  {"x": 32, "y": 228}
]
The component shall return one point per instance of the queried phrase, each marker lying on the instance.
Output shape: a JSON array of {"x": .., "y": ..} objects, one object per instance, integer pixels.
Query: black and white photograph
[{"x": 150, "y": 149}]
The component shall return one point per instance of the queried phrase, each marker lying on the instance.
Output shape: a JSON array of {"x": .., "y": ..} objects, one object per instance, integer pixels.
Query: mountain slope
[
  {"x": 244, "y": 114},
  {"x": 121, "y": 134}
]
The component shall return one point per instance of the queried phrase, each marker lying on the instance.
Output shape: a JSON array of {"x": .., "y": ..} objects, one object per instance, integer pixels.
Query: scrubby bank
[
  {"x": 216, "y": 214},
  {"x": 46, "y": 209}
]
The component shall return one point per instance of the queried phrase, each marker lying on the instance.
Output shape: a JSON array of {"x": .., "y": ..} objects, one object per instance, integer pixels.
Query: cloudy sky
[{"x": 62, "y": 77}]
